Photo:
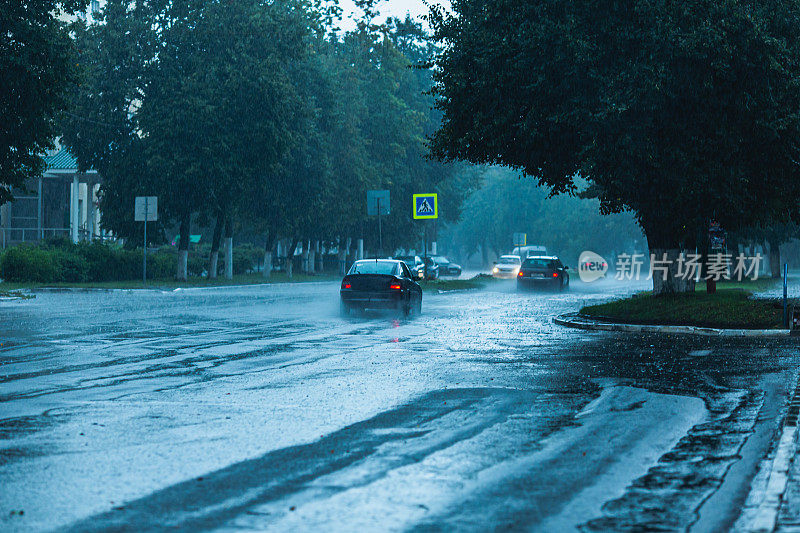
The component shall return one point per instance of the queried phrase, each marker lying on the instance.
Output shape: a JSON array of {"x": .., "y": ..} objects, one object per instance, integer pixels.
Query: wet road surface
[{"x": 259, "y": 408}]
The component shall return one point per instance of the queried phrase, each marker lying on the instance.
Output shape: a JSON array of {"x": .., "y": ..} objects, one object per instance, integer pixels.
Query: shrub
[
  {"x": 28, "y": 263},
  {"x": 70, "y": 266},
  {"x": 162, "y": 265}
]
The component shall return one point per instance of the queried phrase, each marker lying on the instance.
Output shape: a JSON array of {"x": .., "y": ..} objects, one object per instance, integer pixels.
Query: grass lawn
[
  {"x": 728, "y": 308},
  {"x": 759, "y": 285},
  {"x": 478, "y": 282},
  {"x": 240, "y": 279}
]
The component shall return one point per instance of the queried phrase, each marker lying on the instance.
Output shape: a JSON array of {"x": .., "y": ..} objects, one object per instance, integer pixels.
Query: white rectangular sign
[{"x": 146, "y": 208}]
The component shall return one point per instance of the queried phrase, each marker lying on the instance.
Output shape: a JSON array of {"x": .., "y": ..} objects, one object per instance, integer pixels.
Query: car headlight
[{"x": 495, "y": 270}]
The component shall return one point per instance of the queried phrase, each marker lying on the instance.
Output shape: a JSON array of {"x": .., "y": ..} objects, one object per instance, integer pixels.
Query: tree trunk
[
  {"x": 228, "y": 250},
  {"x": 213, "y": 262},
  {"x": 674, "y": 282},
  {"x": 305, "y": 256},
  {"x": 775, "y": 258},
  {"x": 312, "y": 256},
  {"x": 290, "y": 258},
  {"x": 484, "y": 256},
  {"x": 267, "y": 270},
  {"x": 320, "y": 253},
  {"x": 661, "y": 241},
  {"x": 342, "y": 256},
  {"x": 182, "y": 273}
]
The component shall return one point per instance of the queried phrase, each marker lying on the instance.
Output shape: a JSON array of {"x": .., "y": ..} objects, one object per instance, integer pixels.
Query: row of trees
[
  {"x": 681, "y": 112},
  {"x": 257, "y": 117},
  {"x": 566, "y": 225}
]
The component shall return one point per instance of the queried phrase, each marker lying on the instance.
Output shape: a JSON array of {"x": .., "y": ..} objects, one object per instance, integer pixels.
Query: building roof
[{"x": 61, "y": 160}]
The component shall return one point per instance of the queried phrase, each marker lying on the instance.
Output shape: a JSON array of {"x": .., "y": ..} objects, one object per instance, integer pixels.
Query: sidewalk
[{"x": 578, "y": 321}]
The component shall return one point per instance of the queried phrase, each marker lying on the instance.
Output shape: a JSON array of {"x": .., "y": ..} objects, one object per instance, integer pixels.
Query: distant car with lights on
[
  {"x": 380, "y": 284},
  {"x": 545, "y": 271},
  {"x": 507, "y": 267}
]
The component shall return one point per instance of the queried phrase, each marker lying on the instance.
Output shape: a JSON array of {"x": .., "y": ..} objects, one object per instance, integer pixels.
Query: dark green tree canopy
[
  {"x": 38, "y": 65},
  {"x": 679, "y": 111}
]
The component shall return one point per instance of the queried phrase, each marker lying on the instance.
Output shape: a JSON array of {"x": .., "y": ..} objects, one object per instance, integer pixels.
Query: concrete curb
[{"x": 577, "y": 321}]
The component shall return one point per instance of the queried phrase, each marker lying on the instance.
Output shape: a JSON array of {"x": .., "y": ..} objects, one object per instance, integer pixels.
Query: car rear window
[
  {"x": 538, "y": 263},
  {"x": 373, "y": 267}
]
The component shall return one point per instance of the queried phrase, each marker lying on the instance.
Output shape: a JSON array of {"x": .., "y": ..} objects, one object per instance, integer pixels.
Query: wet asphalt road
[{"x": 261, "y": 409}]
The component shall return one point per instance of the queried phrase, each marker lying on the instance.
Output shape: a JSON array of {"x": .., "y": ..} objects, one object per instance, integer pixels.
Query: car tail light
[
  {"x": 520, "y": 273},
  {"x": 395, "y": 286},
  {"x": 345, "y": 284},
  {"x": 555, "y": 274}
]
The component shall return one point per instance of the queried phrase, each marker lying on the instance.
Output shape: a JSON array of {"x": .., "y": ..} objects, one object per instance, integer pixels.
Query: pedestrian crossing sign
[{"x": 426, "y": 206}]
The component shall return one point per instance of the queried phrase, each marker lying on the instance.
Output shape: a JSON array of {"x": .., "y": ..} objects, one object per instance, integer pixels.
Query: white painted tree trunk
[
  {"x": 304, "y": 255},
  {"x": 673, "y": 282},
  {"x": 228, "y": 258},
  {"x": 213, "y": 264},
  {"x": 267, "y": 271},
  {"x": 312, "y": 256},
  {"x": 183, "y": 265}
]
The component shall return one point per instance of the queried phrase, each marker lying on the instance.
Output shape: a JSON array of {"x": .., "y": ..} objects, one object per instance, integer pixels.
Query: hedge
[{"x": 60, "y": 260}]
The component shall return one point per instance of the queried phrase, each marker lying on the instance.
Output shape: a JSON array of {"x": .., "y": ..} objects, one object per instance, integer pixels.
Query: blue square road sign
[{"x": 426, "y": 206}]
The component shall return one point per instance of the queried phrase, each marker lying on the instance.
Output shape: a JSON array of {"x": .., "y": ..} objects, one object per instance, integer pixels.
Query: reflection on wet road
[{"x": 259, "y": 408}]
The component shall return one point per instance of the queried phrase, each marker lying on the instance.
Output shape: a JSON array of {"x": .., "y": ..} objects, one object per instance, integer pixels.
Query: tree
[
  {"x": 38, "y": 66},
  {"x": 678, "y": 111},
  {"x": 192, "y": 101}
]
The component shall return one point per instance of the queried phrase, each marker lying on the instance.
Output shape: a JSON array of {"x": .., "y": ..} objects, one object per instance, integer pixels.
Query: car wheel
[
  {"x": 418, "y": 309},
  {"x": 344, "y": 309}
]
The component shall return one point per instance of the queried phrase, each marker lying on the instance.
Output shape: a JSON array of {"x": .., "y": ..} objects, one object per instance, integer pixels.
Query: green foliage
[
  {"x": 38, "y": 66},
  {"x": 61, "y": 261},
  {"x": 731, "y": 308},
  {"x": 566, "y": 225},
  {"x": 679, "y": 111},
  {"x": 28, "y": 263},
  {"x": 71, "y": 266},
  {"x": 258, "y": 115}
]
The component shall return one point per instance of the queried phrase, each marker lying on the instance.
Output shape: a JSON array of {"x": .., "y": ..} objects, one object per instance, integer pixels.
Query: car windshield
[
  {"x": 441, "y": 260},
  {"x": 408, "y": 259},
  {"x": 538, "y": 263},
  {"x": 373, "y": 267},
  {"x": 509, "y": 260}
]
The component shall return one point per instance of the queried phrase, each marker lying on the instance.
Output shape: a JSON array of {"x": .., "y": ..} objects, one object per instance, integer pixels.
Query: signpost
[
  {"x": 378, "y": 204},
  {"x": 426, "y": 206},
  {"x": 145, "y": 210},
  {"x": 520, "y": 239}
]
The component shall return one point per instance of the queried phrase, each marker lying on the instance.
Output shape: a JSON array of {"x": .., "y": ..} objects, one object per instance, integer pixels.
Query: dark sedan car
[
  {"x": 414, "y": 264},
  {"x": 543, "y": 271},
  {"x": 446, "y": 268},
  {"x": 380, "y": 284}
]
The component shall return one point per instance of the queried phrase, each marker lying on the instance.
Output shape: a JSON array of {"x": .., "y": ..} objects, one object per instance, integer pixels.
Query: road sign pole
[
  {"x": 425, "y": 252},
  {"x": 380, "y": 230},
  {"x": 785, "y": 313},
  {"x": 144, "y": 248}
]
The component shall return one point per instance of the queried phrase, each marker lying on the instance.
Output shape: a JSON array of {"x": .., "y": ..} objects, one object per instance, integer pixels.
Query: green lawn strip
[
  {"x": 759, "y": 285},
  {"x": 478, "y": 282},
  {"x": 239, "y": 279},
  {"x": 728, "y": 308}
]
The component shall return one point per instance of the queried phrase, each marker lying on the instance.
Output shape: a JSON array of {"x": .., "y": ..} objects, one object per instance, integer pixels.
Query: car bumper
[
  {"x": 372, "y": 300},
  {"x": 504, "y": 275},
  {"x": 537, "y": 282}
]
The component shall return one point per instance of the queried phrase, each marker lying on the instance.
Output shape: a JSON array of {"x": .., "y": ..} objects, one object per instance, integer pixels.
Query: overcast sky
[{"x": 389, "y": 8}]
